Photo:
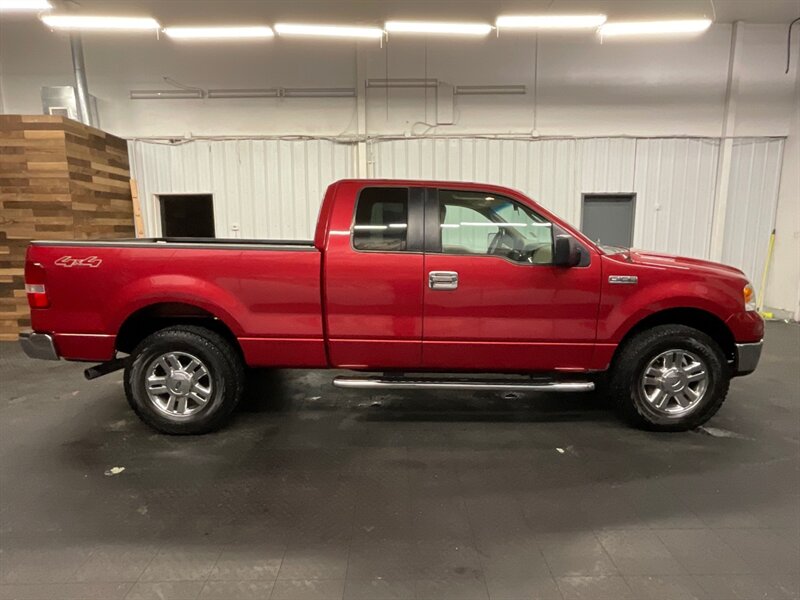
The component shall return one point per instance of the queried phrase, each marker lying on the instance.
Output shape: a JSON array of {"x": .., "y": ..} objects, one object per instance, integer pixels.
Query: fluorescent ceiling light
[
  {"x": 402, "y": 82},
  {"x": 319, "y": 92},
  {"x": 438, "y": 27},
  {"x": 98, "y": 23},
  {"x": 654, "y": 27},
  {"x": 339, "y": 31},
  {"x": 166, "y": 94},
  {"x": 480, "y": 90},
  {"x": 550, "y": 21},
  {"x": 219, "y": 33},
  {"x": 283, "y": 93},
  {"x": 244, "y": 93},
  {"x": 23, "y": 5}
]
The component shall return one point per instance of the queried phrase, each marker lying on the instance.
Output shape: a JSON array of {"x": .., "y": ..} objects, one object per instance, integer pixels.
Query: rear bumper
[
  {"x": 38, "y": 345},
  {"x": 747, "y": 357}
]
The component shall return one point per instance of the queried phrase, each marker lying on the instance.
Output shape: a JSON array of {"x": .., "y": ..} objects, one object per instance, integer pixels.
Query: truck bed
[{"x": 266, "y": 292}]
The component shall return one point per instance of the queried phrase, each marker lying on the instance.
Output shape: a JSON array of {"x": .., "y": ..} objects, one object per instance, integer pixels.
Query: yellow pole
[{"x": 763, "y": 286}]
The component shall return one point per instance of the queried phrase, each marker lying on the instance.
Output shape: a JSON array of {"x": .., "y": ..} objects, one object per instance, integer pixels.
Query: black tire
[
  {"x": 225, "y": 373},
  {"x": 633, "y": 358}
]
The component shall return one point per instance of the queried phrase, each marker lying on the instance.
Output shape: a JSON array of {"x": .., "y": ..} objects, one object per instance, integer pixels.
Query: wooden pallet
[{"x": 59, "y": 180}]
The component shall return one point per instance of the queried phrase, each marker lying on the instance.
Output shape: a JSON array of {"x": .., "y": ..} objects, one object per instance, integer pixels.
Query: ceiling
[{"x": 197, "y": 12}]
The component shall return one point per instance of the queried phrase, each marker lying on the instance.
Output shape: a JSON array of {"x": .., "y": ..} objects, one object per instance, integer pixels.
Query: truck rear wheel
[
  {"x": 669, "y": 378},
  {"x": 184, "y": 380}
]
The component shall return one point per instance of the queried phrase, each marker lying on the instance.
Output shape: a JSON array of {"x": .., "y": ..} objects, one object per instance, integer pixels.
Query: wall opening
[{"x": 187, "y": 215}]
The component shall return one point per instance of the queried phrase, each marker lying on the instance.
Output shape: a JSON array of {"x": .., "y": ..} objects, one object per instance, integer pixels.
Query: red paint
[
  {"x": 668, "y": 282},
  {"x": 373, "y": 299},
  {"x": 89, "y": 347},
  {"x": 332, "y": 306},
  {"x": 508, "y": 316}
]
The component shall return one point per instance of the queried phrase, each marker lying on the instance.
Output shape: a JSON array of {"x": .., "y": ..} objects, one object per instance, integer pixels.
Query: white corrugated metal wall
[
  {"x": 752, "y": 202},
  {"x": 272, "y": 188},
  {"x": 674, "y": 181},
  {"x": 543, "y": 169},
  {"x": 264, "y": 188},
  {"x": 673, "y": 178}
]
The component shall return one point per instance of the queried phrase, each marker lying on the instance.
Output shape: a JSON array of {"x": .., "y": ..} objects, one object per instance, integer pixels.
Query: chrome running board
[{"x": 429, "y": 383}]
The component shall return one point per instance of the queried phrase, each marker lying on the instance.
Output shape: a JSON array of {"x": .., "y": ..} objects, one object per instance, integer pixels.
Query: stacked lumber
[{"x": 59, "y": 180}]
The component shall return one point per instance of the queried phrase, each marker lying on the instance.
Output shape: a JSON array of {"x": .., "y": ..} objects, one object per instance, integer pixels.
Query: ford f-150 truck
[{"x": 423, "y": 283}]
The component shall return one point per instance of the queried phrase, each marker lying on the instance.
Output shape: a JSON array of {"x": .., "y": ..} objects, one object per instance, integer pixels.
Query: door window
[
  {"x": 486, "y": 224},
  {"x": 381, "y": 220}
]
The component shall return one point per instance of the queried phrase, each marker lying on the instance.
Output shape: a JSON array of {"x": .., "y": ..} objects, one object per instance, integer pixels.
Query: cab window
[
  {"x": 487, "y": 224},
  {"x": 381, "y": 220}
]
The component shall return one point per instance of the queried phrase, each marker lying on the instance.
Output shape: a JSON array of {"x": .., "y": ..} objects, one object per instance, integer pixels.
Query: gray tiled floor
[{"x": 318, "y": 493}]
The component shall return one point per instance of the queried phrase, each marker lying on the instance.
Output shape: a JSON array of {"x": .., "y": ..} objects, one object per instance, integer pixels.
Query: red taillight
[{"x": 35, "y": 285}]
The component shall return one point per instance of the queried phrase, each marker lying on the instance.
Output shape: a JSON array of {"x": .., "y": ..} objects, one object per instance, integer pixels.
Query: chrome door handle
[{"x": 443, "y": 280}]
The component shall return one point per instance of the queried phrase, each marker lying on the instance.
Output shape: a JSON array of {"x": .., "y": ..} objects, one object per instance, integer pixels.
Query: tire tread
[
  {"x": 210, "y": 341},
  {"x": 621, "y": 374}
]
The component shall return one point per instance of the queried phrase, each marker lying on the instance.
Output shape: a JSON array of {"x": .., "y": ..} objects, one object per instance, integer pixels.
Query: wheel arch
[
  {"x": 697, "y": 318},
  {"x": 156, "y": 316}
]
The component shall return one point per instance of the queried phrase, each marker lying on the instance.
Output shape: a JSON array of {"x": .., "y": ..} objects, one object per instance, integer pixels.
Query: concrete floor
[{"x": 323, "y": 493}]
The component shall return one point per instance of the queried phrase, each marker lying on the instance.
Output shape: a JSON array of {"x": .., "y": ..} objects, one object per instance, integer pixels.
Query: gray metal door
[{"x": 608, "y": 218}]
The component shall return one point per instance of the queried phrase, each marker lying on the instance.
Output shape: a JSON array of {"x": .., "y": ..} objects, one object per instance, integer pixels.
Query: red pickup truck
[{"x": 426, "y": 283}]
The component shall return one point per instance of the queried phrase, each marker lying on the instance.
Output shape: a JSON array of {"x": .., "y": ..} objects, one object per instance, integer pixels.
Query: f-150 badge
[{"x": 69, "y": 262}]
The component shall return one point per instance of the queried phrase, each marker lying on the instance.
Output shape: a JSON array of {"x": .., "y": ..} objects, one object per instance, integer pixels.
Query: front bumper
[
  {"x": 38, "y": 345},
  {"x": 747, "y": 357}
]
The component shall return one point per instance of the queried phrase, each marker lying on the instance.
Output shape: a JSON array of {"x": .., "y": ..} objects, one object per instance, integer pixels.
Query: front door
[{"x": 493, "y": 299}]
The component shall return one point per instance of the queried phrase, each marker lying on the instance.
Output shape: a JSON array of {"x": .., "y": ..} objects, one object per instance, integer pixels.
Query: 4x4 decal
[{"x": 69, "y": 261}]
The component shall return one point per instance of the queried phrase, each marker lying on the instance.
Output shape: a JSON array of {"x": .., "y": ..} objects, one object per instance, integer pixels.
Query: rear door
[
  {"x": 493, "y": 299},
  {"x": 373, "y": 277}
]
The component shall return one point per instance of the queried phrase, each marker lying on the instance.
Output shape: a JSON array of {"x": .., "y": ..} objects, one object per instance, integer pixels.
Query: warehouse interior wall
[
  {"x": 616, "y": 93},
  {"x": 575, "y": 86}
]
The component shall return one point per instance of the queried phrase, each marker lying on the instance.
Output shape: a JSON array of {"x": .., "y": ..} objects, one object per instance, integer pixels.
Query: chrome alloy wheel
[
  {"x": 178, "y": 384},
  {"x": 674, "y": 382}
]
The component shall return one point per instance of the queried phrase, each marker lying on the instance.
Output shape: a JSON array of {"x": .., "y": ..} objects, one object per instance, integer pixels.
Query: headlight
[{"x": 749, "y": 297}]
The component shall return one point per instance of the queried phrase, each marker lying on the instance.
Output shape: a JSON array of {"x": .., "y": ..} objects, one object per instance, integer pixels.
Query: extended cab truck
[{"x": 426, "y": 277}]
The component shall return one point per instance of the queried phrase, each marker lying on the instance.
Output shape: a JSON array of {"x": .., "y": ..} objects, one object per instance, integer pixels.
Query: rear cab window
[{"x": 381, "y": 220}]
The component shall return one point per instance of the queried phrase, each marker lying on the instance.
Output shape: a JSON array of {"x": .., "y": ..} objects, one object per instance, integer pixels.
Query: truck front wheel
[
  {"x": 669, "y": 378},
  {"x": 184, "y": 380}
]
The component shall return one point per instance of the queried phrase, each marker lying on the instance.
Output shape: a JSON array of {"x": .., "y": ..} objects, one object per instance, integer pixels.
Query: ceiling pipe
[{"x": 81, "y": 85}]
